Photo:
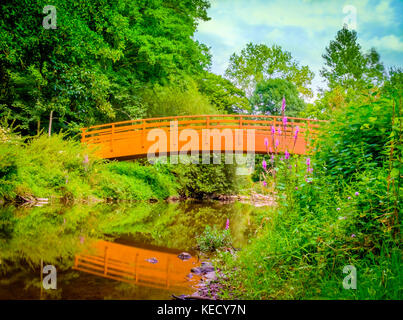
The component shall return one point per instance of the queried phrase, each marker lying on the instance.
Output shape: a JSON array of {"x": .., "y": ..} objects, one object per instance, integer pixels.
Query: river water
[{"x": 111, "y": 251}]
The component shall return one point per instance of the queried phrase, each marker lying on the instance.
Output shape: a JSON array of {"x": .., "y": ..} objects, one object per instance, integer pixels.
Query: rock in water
[
  {"x": 152, "y": 260},
  {"x": 203, "y": 269},
  {"x": 184, "y": 256}
]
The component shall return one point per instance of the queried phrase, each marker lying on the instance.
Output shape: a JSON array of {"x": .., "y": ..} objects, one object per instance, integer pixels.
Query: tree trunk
[{"x": 50, "y": 122}]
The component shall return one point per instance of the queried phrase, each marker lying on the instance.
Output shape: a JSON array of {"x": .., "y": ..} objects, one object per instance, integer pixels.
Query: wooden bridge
[{"x": 201, "y": 133}]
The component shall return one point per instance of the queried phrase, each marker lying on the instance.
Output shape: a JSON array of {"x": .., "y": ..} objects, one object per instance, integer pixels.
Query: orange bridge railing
[{"x": 186, "y": 134}]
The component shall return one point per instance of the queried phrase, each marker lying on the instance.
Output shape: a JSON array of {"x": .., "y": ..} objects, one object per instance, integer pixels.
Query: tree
[
  {"x": 267, "y": 98},
  {"x": 347, "y": 66},
  {"x": 260, "y": 62},
  {"x": 91, "y": 67},
  {"x": 223, "y": 94}
]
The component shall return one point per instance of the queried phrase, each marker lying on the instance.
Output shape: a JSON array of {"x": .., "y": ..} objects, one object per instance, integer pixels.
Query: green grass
[{"x": 56, "y": 167}]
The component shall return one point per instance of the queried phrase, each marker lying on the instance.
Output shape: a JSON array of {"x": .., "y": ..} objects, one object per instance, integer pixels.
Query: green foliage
[
  {"x": 161, "y": 185},
  {"x": 206, "y": 180},
  {"x": 176, "y": 100},
  {"x": 356, "y": 137},
  {"x": 212, "y": 239},
  {"x": 222, "y": 94},
  {"x": 92, "y": 68},
  {"x": 318, "y": 229},
  {"x": 267, "y": 98},
  {"x": 347, "y": 66},
  {"x": 341, "y": 209},
  {"x": 260, "y": 62},
  {"x": 58, "y": 167}
]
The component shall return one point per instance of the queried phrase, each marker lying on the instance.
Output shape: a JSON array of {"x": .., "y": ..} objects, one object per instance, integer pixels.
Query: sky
[{"x": 302, "y": 27}]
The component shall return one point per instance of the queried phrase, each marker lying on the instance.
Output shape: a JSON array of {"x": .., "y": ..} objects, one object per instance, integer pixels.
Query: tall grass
[
  {"x": 328, "y": 217},
  {"x": 63, "y": 168}
]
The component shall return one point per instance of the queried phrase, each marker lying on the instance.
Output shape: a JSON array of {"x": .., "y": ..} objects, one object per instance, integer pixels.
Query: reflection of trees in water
[
  {"x": 7, "y": 223},
  {"x": 47, "y": 233}
]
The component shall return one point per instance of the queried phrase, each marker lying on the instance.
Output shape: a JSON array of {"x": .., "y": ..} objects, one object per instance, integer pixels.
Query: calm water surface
[{"x": 115, "y": 251}]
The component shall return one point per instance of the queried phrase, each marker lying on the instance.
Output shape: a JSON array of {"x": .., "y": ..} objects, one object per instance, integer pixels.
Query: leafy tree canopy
[
  {"x": 90, "y": 68},
  {"x": 267, "y": 98},
  {"x": 347, "y": 66},
  {"x": 223, "y": 94},
  {"x": 260, "y": 62}
]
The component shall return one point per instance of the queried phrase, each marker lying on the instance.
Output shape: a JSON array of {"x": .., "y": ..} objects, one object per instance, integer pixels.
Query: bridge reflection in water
[{"x": 144, "y": 267}]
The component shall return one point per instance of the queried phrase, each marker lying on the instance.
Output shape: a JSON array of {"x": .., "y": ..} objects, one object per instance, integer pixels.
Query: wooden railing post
[
  {"x": 112, "y": 136},
  {"x": 106, "y": 261},
  {"x": 143, "y": 132},
  {"x": 136, "y": 278},
  {"x": 176, "y": 141},
  {"x": 240, "y": 122},
  {"x": 83, "y": 134}
]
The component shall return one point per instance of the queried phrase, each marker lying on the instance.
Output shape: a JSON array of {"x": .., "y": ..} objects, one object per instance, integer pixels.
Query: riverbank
[
  {"x": 60, "y": 169},
  {"x": 57, "y": 168}
]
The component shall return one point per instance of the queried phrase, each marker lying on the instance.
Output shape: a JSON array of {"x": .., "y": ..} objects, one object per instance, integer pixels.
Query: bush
[
  {"x": 176, "y": 100},
  {"x": 56, "y": 166},
  {"x": 212, "y": 239},
  {"x": 162, "y": 185},
  {"x": 355, "y": 140},
  {"x": 206, "y": 180}
]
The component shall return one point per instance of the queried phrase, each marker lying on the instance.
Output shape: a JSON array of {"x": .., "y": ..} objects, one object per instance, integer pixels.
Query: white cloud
[
  {"x": 389, "y": 42},
  {"x": 226, "y": 31}
]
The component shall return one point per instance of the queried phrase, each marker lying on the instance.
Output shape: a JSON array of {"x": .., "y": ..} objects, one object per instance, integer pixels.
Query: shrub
[
  {"x": 206, "y": 180},
  {"x": 355, "y": 140},
  {"x": 212, "y": 239}
]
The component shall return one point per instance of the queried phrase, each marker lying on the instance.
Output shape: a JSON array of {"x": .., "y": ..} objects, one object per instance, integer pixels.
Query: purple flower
[
  {"x": 277, "y": 143},
  {"x": 296, "y": 188},
  {"x": 272, "y": 158},
  {"x": 273, "y": 130},
  {"x": 281, "y": 159},
  {"x": 353, "y": 235},
  {"x": 338, "y": 209},
  {"x": 279, "y": 131},
  {"x": 227, "y": 225},
  {"x": 264, "y": 183},
  {"x": 357, "y": 193},
  {"x": 86, "y": 160},
  {"x": 81, "y": 239},
  {"x": 349, "y": 198},
  {"x": 283, "y": 105},
  {"x": 285, "y": 121},
  {"x": 264, "y": 164},
  {"x": 266, "y": 142},
  {"x": 296, "y": 133},
  {"x": 287, "y": 155},
  {"x": 270, "y": 150},
  {"x": 308, "y": 161}
]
